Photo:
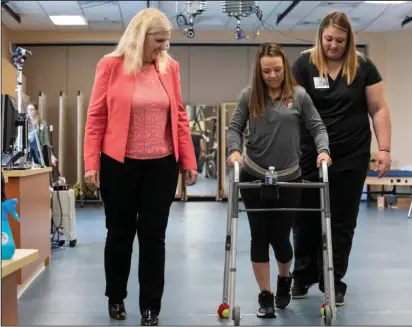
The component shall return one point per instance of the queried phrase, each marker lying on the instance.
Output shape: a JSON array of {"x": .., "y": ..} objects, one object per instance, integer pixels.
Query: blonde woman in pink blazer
[{"x": 137, "y": 139}]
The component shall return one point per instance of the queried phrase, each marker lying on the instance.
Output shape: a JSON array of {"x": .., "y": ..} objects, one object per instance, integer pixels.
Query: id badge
[{"x": 321, "y": 83}]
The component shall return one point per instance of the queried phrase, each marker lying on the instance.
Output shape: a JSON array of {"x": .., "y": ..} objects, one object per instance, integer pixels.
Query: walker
[{"x": 328, "y": 308}]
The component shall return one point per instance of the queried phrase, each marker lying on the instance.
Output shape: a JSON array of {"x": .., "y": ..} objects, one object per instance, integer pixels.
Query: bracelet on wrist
[{"x": 383, "y": 150}]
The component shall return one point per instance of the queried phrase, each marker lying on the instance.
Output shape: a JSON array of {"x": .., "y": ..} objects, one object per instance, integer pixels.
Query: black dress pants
[
  {"x": 345, "y": 193},
  {"x": 137, "y": 196}
]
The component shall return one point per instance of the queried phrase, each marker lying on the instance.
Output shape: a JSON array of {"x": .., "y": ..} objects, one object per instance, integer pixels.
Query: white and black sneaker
[
  {"x": 284, "y": 292},
  {"x": 267, "y": 305}
]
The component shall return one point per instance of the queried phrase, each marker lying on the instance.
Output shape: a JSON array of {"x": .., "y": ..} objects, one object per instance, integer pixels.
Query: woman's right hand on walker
[
  {"x": 92, "y": 179},
  {"x": 323, "y": 156},
  {"x": 234, "y": 156}
]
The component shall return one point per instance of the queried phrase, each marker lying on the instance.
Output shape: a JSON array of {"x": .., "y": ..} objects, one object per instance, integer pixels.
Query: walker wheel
[
  {"x": 326, "y": 314},
  {"x": 236, "y": 315}
]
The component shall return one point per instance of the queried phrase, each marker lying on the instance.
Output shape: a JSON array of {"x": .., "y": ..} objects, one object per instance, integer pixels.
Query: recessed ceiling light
[
  {"x": 68, "y": 20},
  {"x": 386, "y": 2}
]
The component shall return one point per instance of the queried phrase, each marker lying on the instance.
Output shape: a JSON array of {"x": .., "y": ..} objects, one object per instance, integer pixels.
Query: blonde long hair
[
  {"x": 131, "y": 44},
  {"x": 341, "y": 21},
  {"x": 258, "y": 87}
]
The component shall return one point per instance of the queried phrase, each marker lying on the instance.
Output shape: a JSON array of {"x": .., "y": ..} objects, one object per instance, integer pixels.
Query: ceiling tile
[
  {"x": 106, "y": 26},
  {"x": 320, "y": 12},
  {"x": 389, "y": 16},
  {"x": 102, "y": 11},
  {"x": 36, "y": 22},
  {"x": 130, "y": 8},
  {"x": 26, "y": 7},
  {"x": 61, "y": 7},
  {"x": 10, "y": 22}
]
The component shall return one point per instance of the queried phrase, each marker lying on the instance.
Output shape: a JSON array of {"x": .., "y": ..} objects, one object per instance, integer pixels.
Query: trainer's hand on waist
[
  {"x": 92, "y": 179},
  {"x": 190, "y": 177},
  {"x": 323, "y": 156},
  {"x": 235, "y": 156}
]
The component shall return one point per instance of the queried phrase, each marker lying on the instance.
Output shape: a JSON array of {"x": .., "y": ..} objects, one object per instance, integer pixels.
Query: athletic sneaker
[
  {"x": 284, "y": 292},
  {"x": 300, "y": 290},
  {"x": 267, "y": 305},
  {"x": 339, "y": 296},
  {"x": 339, "y": 299}
]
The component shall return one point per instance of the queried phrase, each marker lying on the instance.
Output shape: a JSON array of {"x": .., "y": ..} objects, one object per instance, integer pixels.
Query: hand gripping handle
[
  {"x": 236, "y": 171},
  {"x": 323, "y": 171}
]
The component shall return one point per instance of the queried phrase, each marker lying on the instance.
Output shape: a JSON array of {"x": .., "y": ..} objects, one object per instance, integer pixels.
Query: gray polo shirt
[{"x": 274, "y": 139}]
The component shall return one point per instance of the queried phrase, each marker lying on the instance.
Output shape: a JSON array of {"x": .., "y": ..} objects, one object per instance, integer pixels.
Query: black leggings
[{"x": 270, "y": 228}]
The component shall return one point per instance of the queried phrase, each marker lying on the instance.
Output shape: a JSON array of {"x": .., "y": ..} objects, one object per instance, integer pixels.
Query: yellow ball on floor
[
  {"x": 322, "y": 310},
  {"x": 225, "y": 313}
]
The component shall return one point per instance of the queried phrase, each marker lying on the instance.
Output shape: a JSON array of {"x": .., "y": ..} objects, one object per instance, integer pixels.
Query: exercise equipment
[
  {"x": 62, "y": 124},
  {"x": 81, "y": 118},
  {"x": 19, "y": 58},
  {"x": 328, "y": 308},
  {"x": 64, "y": 218},
  {"x": 393, "y": 178}
]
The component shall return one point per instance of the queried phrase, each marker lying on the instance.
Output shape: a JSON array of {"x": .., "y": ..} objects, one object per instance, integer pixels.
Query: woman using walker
[{"x": 273, "y": 106}]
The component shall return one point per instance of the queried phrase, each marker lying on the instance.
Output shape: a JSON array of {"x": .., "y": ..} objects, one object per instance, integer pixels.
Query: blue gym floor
[{"x": 71, "y": 290}]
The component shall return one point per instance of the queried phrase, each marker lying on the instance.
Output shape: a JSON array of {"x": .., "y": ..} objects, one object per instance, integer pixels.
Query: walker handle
[
  {"x": 236, "y": 171},
  {"x": 323, "y": 171}
]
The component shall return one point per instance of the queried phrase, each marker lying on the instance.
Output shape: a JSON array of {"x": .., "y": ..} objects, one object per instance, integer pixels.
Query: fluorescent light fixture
[
  {"x": 68, "y": 20},
  {"x": 386, "y": 2}
]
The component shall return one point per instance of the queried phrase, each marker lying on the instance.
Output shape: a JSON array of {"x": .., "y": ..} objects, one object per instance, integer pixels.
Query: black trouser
[
  {"x": 143, "y": 188},
  {"x": 345, "y": 194},
  {"x": 269, "y": 228}
]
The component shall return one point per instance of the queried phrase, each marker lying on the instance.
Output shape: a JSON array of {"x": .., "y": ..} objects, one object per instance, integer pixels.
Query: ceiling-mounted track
[
  {"x": 6, "y": 7},
  {"x": 406, "y": 21},
  {"x": 286, "y": 12}
]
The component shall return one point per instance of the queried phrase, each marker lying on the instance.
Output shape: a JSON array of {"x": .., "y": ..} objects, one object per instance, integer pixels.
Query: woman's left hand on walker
[{"x": 323, "y": 156}]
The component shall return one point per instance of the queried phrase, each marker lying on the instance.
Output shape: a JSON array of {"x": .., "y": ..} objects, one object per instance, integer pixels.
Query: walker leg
[
  {"x": 227, "y": 246},
  {"x": 227, "y": 308},
  {"x": 329, "y": 308},
  {"x": 225, "y": 297},
  {"x": 234, "y": 311}
]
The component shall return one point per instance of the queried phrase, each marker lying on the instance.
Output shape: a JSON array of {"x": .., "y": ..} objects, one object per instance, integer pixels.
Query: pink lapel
[{"x": 128, "y": 88}]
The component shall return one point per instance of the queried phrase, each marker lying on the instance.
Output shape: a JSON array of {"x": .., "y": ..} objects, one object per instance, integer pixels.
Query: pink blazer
[{"x": 108, "y": 115}]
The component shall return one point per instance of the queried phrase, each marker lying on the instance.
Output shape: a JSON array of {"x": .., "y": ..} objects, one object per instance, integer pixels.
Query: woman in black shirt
[{"x": 346, "y": 88}]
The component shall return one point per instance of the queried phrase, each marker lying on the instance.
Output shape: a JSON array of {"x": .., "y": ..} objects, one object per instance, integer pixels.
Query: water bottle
[
  {"x": 8, "y": 247},
  {"x": 271, "y": 177}
]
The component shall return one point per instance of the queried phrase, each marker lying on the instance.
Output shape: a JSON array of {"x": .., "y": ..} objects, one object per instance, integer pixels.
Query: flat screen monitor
[
  {"x": 36, "y": 150},
  {"x": 9, "y": 115}
]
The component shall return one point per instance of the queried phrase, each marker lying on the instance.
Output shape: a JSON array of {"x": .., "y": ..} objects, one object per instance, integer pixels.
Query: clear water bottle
[{"x": 271, "y": 177}]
